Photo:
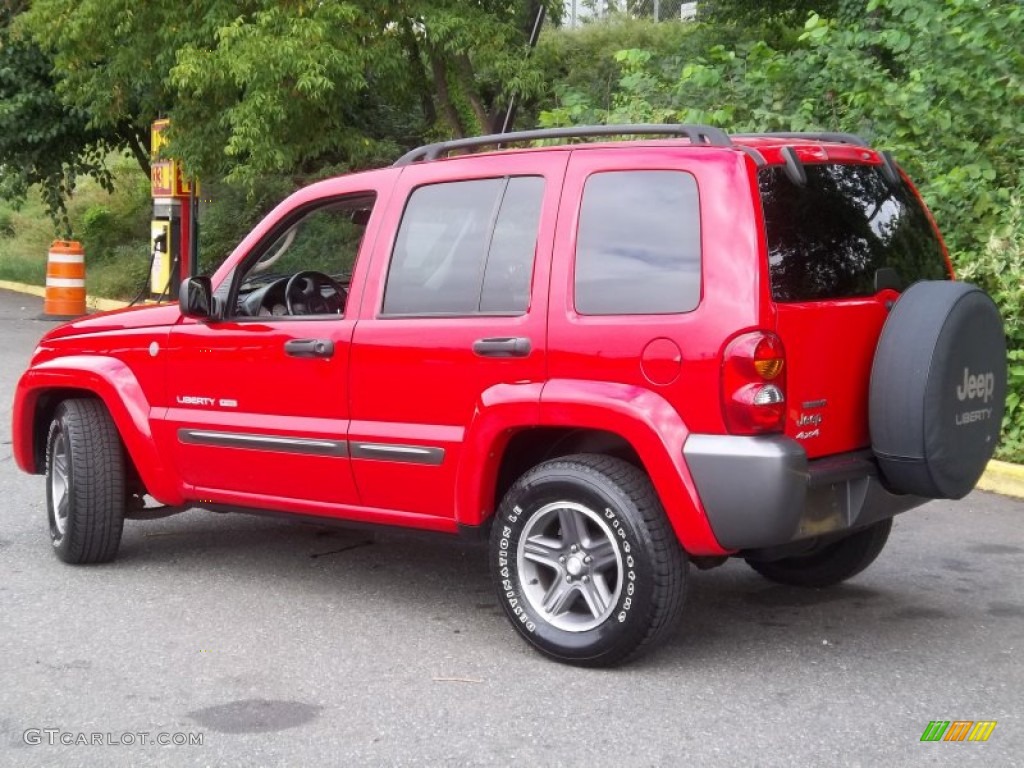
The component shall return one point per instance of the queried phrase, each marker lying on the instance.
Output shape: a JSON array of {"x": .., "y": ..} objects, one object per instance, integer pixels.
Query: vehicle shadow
[{"x": 731, "y": 613}]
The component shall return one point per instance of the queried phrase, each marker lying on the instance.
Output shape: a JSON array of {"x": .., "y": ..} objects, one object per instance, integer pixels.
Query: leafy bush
[
  {"x": 939, "y": 82},
  {"x": 999, "y": 269},
  {"x": 122, "y": 274},
  {"x": 6, "y": 222},
  {"x": 25, "y": 241},
  {"x": 110, "y": 225},
  {"x": 94, "y": 230},
  {"x": 229, "y": 211},
  {"x": 105, "y": 221}
]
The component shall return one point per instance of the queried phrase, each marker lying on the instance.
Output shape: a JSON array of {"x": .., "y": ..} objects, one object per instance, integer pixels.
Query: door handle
[
  {"x": 309, "y": 348},
  {"x": 516, "y": 346}
]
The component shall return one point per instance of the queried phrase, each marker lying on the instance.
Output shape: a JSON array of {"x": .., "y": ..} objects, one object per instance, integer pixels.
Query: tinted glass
[
  {"x": 506, "y": 286},
  {"x": 638, "y": 246},
  {"x": 465, "y": 247},
  {"x": 829, "y": 238}
]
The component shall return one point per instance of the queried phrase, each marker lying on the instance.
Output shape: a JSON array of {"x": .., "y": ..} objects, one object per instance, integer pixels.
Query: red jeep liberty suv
[{"x": 615, "y": 359}]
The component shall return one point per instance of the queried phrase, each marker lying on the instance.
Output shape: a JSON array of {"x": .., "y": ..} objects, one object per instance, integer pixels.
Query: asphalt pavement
[{"x": 282, "y": 644}]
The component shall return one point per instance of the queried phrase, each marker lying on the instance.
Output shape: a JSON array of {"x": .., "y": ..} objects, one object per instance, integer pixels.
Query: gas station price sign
[{"x": 166, "y": 179}]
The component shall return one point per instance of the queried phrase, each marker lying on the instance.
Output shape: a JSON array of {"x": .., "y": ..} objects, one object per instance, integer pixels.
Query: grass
[
  {"x": 122, "y": 277},
  {"x": 25, "y": 236},
  {"x": 113, "y": 229}
]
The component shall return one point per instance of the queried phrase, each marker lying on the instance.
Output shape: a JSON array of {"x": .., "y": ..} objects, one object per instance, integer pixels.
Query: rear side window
[
  {"x": 638, "y": 245},
  {"x": 832, "y": 237},
  {"x": 465, "y": 248}
]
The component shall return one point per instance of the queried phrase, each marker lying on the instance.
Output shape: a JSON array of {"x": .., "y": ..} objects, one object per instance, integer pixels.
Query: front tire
[
  {"x": 832, "y": 564},
  {"x": 584, "y": 561},
  {"x": 85, "y": 484}
]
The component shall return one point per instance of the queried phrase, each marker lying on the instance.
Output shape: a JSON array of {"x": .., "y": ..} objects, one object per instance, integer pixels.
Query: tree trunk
[
  {"x": 137, "y": 143},
  {"x": 444, "y": 99},
  {"x": 532, "y": 8},
  {"x": 412, "y": 49},
  {"x": 464, "y": 67}
]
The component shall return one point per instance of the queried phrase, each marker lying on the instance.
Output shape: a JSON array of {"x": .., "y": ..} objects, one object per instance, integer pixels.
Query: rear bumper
[{"x": 762, "y": 492}]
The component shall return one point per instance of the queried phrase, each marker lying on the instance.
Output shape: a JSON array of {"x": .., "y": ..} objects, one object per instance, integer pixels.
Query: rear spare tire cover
[{"x": 938, "y": 389}]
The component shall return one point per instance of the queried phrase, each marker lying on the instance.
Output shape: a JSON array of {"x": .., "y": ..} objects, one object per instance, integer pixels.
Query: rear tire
[
  {"x": 584, "y": 561},
  {"x": 832, "y": 564},
  {"x": 85, "y": 483}
]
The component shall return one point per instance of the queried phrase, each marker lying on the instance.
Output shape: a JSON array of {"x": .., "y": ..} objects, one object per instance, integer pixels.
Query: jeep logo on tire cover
[{"x": 976, "y": 385}]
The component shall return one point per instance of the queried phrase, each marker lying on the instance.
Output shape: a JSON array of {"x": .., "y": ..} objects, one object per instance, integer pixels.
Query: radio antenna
[{"x": 510, "y": 113}]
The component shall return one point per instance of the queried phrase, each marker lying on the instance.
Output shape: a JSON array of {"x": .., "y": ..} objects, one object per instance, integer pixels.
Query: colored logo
[{"x": 958, "y": 730}]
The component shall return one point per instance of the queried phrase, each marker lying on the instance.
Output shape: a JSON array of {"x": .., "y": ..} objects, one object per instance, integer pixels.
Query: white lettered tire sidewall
[{"x": 629, "y": 621}]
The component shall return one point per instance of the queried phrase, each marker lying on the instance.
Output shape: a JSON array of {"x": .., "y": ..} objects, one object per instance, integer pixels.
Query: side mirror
[{"x": 196, "y": 298}]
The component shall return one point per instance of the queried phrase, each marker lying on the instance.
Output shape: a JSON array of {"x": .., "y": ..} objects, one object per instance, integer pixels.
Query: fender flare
[
  {"x": 641, "y": 417},
  {"x": 112, "y": 382},
  {"x": 501, "y": 411}
]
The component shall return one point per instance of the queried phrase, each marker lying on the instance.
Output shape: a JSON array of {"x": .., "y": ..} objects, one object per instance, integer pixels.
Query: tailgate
[{"x": 840, "y": 248}]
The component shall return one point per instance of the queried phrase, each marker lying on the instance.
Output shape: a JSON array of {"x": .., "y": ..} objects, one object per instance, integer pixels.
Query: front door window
[{"x": 307, "y": 268}]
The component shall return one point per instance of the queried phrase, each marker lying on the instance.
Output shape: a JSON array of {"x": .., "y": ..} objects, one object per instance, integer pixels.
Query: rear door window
[
  {"x": 638, "y": 245},
  {"x": 844, "y": 234},
  {"x": 466, "y": 248}
]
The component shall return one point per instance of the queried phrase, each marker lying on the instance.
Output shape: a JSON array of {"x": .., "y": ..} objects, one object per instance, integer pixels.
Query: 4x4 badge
[{"x": 810, "y": 423}]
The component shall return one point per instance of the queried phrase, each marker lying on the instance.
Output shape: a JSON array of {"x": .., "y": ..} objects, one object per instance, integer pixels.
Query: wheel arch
[
  {"x": 530, "y": 446},
  {"x": 507, "y": 438},
  {"x": 47, "y": 402},
  {"x": 43, "y": 388}
]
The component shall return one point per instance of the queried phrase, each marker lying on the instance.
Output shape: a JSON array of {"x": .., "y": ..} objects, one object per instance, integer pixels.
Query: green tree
[
  {"x": 346, "y": 83},
  {"x": 262, "y": 86},
  {"x": 265, "y": 95},
  {"x": 940, "y": 82},
  {"x": 110, "y": 60},
  {"x": 42, "y": 140}
]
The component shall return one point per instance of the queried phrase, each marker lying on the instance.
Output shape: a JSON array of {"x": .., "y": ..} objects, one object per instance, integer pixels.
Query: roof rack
[
  {"x": 839, "y": 138},
  {"x": 697, "y": 134}
]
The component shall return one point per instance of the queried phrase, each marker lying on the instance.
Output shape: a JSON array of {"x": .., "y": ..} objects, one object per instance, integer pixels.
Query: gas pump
[
  {"x": 173, "y": 230},
  {"x": 166, "y": 253}
]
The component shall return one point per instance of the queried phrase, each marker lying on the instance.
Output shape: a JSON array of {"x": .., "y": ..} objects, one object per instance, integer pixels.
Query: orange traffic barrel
[{"x": 65, "y": 280}]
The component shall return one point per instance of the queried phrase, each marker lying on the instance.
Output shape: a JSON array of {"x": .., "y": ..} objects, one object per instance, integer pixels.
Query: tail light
[{"x": 754, "y": 384}]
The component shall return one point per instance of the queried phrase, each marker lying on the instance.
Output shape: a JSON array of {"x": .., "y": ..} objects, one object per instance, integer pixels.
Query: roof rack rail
[
  {"x": 839, "y": 138},
  {"x": 697, "y": 134}
]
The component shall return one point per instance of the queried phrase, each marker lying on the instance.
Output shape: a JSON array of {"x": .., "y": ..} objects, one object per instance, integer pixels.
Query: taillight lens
[{"x": 754, "y": 384}]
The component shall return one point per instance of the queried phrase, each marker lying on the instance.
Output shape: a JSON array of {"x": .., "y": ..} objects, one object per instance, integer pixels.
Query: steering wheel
[{"x": 303, "y": 294}]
